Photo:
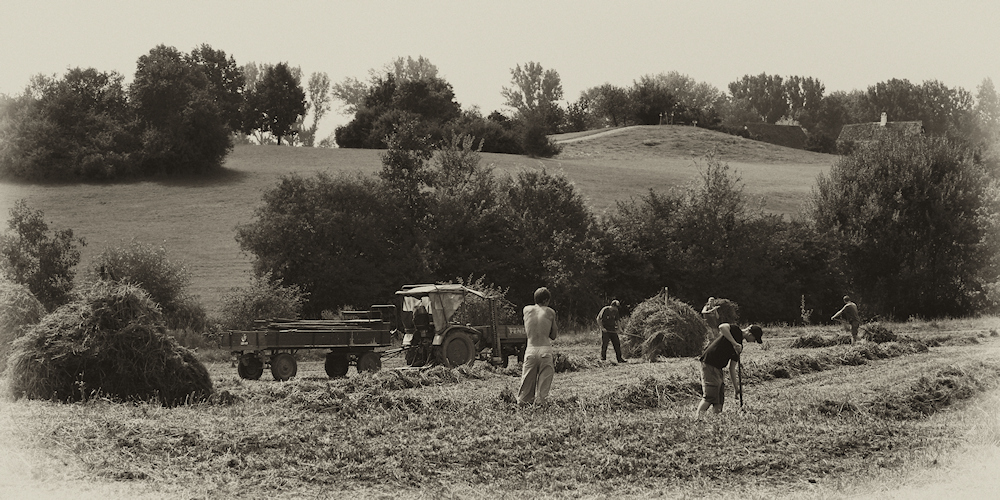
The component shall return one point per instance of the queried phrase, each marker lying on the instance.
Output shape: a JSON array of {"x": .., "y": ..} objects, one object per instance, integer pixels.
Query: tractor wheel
[
  {"x": 457, "y": 350},
  {"x": 250, "y": 367},
  {"x": 336, "y": 365},
  {"x": 369, "y": 362},
  {"x": 283, "y": 366}
]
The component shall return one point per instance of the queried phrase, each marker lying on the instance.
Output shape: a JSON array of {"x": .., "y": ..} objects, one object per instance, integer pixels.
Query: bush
[
  {"x": 265, "y": 298},
  {"x": 19, "y": 310},
  {"x": 662, "y": 326},
  {"x": 44, "y": 263},
  {"x": 111, "y": 341},
  {"x": 166, "y": 282}
]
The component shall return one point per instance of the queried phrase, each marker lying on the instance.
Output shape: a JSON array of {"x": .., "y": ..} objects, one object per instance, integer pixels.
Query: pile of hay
[
  {"x": 109, "y": 342},
  {"x": 729, "y": 311},
  {"x": 817, "y": 340},
  {"x": 878, "y": 333},
  {"x": 662, "y": 326},
  {"x": 19, "y": 311}
]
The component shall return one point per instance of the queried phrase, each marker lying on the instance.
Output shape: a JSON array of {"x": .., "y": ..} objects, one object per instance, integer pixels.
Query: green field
[{"x": 195, "y": 219}]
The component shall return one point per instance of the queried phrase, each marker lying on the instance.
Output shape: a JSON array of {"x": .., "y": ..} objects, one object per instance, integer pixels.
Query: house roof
[
  {"x": 873, "y": 131},
  {"x": 791, "y": 136}
]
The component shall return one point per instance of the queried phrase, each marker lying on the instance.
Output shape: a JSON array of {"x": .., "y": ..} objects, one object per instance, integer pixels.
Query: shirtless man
[{"x": 538, "y": 367}]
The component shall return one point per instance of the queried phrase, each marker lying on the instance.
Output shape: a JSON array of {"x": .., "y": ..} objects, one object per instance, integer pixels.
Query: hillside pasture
[{"x": 195, "y": 218}]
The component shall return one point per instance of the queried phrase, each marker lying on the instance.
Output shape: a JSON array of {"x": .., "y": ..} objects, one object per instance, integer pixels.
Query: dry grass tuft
[
  {"x": 651, "y": 392},
  {"x": 19, "y": 310},
  {"x": 109, "y": 342},
  {"x": 878, "y": 333},
  {"x": 662, "y": 326}
]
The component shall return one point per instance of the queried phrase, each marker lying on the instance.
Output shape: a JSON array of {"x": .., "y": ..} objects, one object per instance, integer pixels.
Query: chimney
[{"x": 884, "y": 119}]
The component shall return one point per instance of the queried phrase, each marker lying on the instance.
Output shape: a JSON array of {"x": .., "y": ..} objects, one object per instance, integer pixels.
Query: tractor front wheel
[{"x": 283, "y": 366}]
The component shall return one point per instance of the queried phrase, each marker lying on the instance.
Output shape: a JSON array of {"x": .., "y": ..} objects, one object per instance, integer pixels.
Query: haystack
[
  {"x": 19, "y": 310},
  {"x": 109, "y": 342},
  {"x": 729, "y": 311},
  {"x": 663, "y": 326}
]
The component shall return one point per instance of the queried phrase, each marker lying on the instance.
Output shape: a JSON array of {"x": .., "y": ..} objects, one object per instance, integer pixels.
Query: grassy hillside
[{"x": 196, "y": 219}]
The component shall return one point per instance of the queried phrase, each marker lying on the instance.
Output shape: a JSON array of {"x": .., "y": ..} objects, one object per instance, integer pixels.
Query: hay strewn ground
[{"x": 109, "y": 342}]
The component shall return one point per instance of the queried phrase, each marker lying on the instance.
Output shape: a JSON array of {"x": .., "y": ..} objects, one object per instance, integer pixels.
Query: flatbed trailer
[{"x": 361, "y": 339}]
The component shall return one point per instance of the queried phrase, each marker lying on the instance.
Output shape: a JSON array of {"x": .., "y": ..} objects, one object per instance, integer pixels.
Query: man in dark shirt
[
  {"x": 723, "y": 351},
  {"x": 608, "y": 321}
]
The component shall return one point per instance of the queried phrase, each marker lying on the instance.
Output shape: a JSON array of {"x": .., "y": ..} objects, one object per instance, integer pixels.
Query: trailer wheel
[
  {"x": 283, "y": 366},
  {"x": 336, "y": 365},
  {"x": 456, "y": 350},
  {"x": 370, "y": 362},
  {"x": 250, "y": 367}
]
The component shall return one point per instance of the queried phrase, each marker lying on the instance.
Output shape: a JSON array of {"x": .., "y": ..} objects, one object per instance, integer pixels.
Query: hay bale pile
[
  {"x": 19, "y": 310},
  {"x": 662, "y": 326},
  {"x": 878, "y": 333},
  {"x": 111, "y": 342},
  {"x": 729, "y": 311}
]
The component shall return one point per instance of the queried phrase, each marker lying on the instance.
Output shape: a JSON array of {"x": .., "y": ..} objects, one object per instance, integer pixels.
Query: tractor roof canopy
[{"x": 444, "y": 300}]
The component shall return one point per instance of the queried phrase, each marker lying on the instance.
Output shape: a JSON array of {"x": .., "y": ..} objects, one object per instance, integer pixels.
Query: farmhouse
[
  {"x": 860, "y": 133},
  {"x": 790, "y": 136}
]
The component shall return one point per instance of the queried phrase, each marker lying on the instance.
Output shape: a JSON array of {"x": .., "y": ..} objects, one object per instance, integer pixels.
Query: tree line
[
  {"x": 908, "y": 226},
  {"x": 183, "y": 112}
]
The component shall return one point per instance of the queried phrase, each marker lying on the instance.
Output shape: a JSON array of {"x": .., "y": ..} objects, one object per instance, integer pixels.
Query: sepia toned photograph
[{"x": 499, "y": 250}]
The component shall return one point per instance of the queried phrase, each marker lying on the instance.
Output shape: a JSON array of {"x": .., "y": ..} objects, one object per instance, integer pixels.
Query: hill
[{"x": 195, "y": 219}]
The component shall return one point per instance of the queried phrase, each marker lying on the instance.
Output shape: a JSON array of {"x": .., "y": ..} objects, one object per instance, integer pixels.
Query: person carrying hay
[
  {"x": 849, "y": 314},
  {"x": 711, "y": 314},
  {"x": 539, "y": 366},
  {"x": 607, "y": 319},
  {"x": 723, "y": 351}
]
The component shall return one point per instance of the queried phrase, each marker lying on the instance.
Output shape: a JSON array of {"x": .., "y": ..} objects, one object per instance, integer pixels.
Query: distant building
[
  {"x": 790, "y": 136},
  {"x": 855, "y": 134}
]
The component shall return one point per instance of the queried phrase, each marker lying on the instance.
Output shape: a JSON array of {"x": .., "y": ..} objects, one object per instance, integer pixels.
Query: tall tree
[
  {"x": 278, "y": 101},
  {"x": 319, "y": 105},
  {"x": 227, "y": 82},
  {"x": 535, "y": 93},
  {"x": 183, "y": 128},
  {"x": 765, "y": 93},
  {"x": 988, "y": 111}
]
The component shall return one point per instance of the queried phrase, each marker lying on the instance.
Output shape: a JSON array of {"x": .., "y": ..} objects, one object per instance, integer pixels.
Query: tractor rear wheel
[
  {"x": 283, "y": 366},
  {"x": 336, "y": 365},
  {"x": 457, "y": 350},
  {"x": 369, "y": 362},
  {"x": 250, "y": 367}
]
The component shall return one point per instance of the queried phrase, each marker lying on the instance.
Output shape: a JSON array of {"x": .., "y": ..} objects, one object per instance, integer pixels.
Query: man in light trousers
[{"x": 539, "y": 367}]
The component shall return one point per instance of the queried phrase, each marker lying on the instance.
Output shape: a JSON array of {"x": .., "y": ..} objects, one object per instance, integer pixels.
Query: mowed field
[
  {"x": 195, "y": 219},
  {"x": 918, "y": 418}
]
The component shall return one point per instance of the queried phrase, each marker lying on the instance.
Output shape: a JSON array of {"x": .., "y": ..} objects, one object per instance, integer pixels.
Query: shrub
[
  {"x": 265, "y": 298},
  {"x": 662, "y": 326},
  {"x": 110, "y": 341},
  {"x": 19, "y": 310},
  {"x": 166, "y": 282},
  {"x": 44, "y": 263}
]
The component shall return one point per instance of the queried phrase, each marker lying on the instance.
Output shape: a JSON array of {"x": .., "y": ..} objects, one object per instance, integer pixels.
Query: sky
[{"x": 474, "y": 44}]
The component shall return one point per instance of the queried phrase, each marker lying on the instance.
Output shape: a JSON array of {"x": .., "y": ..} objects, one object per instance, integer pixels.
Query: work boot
[{"x": 620, "y": 361}]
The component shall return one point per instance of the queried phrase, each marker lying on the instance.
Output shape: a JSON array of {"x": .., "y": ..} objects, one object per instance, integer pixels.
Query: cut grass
[{"x": 609, "y": 431}]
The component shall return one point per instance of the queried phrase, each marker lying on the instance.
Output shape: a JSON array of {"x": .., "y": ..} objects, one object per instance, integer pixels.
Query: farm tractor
[{"x": 432, "y": 334}]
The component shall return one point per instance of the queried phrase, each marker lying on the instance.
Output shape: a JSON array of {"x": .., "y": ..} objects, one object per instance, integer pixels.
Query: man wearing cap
[
  {"x": 608, "y": 321},
  {"x": 723, "y": 351},
  {"x": 849, "y": 314}
]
